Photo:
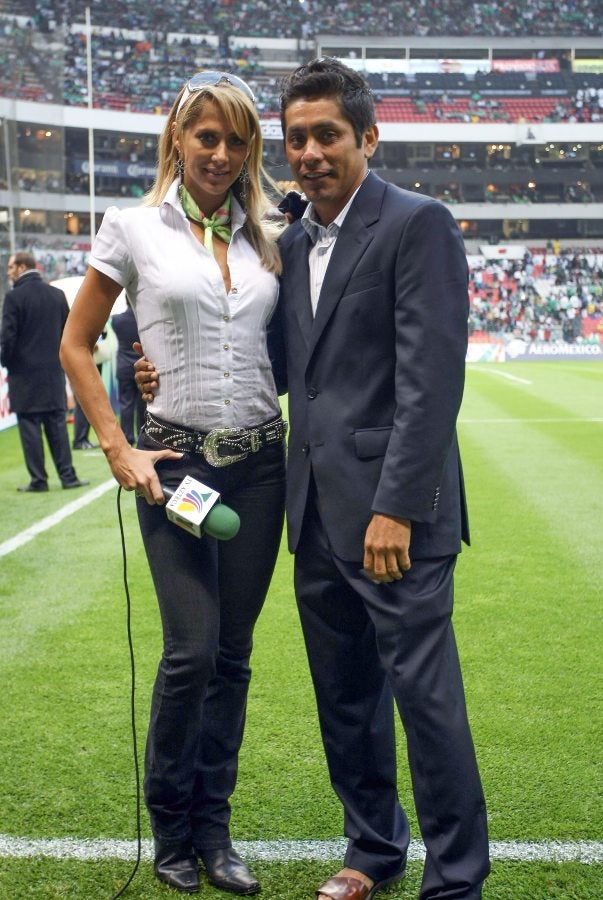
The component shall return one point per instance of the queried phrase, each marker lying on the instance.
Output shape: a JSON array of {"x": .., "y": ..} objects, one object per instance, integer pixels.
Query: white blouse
[{"x": 209, "y": 346}]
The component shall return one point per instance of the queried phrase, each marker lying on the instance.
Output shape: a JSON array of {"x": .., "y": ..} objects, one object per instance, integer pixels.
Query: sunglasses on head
[{"x": 208, "y": 79}]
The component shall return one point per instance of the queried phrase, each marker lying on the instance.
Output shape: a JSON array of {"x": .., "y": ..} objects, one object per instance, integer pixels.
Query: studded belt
[{"x": 220, "y": 447}]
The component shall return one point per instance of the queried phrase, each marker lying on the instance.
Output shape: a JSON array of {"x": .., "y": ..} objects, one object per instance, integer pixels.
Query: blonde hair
[{"x": 241, "y": 115}]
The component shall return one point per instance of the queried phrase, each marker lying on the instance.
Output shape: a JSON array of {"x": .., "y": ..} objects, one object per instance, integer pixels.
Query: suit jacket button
[
  {"x": 312, "y": 393},
  {"x": 305, "y": 447}
]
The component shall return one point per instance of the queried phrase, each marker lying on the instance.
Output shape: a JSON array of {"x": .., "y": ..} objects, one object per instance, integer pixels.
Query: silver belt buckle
[
  {"x": 210, "y": 447},
  {"x": 256, "y": 441}
]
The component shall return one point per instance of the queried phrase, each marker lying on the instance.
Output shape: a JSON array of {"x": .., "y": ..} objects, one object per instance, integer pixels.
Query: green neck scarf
[{"x": 219, "y": 222}]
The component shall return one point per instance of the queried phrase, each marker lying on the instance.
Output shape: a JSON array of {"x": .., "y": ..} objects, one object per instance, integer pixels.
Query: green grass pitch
[{"x": 528, "y": 622}]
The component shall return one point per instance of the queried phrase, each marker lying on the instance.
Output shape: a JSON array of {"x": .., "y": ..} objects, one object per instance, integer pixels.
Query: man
[
  {"x": 131, "y": 404},
  {"x": 373, "y": 315},
  {"x": 369, "y": 338},
  {"x": 33, "y": 317},
  {"x": 81, "y": 430}
]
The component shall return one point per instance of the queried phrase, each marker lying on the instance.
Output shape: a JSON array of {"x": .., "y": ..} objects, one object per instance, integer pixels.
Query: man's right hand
[{"x": 145, "y": 375}]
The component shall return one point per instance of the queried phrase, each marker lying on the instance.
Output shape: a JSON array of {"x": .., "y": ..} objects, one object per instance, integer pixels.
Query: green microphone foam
[{"x": 221, "y": 522}]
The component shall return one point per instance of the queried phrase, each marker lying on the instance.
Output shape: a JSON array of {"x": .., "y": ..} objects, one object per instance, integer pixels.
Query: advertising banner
[
  {"x": 393, "y": 66},
  {"x": 519, "y": 350},
  {"x": 525, "y": 351},
  {"x": 588, "y": 65},
  {"x": 525, "y": 65},
  {"x": 7, "y": 418},
  {"x": 116, "y": 169},
  {"x": 503, "y": 251}
]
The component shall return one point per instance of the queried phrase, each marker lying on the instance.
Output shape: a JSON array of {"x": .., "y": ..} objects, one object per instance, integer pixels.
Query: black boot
[
  {"x": 226, "y": 870},
  {"x": 176, "y": 864}
]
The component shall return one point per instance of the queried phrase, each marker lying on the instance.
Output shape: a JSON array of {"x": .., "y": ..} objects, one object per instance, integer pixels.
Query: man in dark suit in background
[
  {"x": 131, "y": 405},
  {"x": 33, "y": 317},
  {"x": 373, "y": 318}
]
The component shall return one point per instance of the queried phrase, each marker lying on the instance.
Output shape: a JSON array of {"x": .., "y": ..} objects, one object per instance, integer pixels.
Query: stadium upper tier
[
  {"x": 295, "y": 19},
  {"x": 144, "y": 75},
  {"x": 504, "y": 129}
]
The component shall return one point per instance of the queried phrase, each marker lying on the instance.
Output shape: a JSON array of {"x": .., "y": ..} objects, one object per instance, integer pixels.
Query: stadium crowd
[
  {"x": 587, "y": 105},
  {"x": 550, "y": 295},
  {"x": 141, "y": 49},
  {"x": 545, "y": 296},
  {"x": 294, "y": 19}
]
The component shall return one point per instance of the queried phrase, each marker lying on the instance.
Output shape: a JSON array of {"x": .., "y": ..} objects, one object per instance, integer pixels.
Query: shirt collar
[
  {"x": 29, "y": 273},
  {"x": 172, "y": 201},
  {"x": 316, "y": 230}
]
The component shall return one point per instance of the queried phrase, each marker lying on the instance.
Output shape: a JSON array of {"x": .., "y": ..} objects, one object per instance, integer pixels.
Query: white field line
[
  {"x": 507, "y": 375},
  {"x": 19, "y": 540},
  {"x": 505, "y": 420},
  {"x": 587, "y": 852}
]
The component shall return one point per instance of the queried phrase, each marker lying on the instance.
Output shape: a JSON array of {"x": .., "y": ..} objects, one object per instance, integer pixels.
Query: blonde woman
[{"x": 199, "y": 264}]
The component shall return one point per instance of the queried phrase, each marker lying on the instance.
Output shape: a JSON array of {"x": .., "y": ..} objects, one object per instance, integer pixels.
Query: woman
[{"x": 199, "y": 266}]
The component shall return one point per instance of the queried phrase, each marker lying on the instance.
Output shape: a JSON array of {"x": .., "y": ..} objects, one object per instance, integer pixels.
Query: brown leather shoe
[{"x": 344, "y": 887}]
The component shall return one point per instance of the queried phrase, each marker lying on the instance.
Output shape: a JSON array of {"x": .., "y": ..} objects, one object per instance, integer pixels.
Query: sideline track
[
  {"x": 19, "y": 540},
  {"x": 587, "y": 852}
]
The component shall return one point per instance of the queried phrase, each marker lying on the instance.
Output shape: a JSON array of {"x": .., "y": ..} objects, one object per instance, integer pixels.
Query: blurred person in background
[
  {"x": 33, "y": 318},
  {"x": 131, "y": 405}
]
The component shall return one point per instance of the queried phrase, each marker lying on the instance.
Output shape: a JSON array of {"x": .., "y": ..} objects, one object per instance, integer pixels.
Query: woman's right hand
[
  {"x": 135, "y": 471},
  {"x": 145, "y": 375}
]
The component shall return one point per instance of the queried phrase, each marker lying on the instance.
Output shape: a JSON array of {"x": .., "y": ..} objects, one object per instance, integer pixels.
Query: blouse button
[{"x": 226, "y": 318}]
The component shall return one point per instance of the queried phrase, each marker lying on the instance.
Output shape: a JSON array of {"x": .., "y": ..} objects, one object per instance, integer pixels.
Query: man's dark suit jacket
[
  {"x": 126, "y": 330},
  {"x": 33, "y": 318},
  {"x": 375, "y": 380}
]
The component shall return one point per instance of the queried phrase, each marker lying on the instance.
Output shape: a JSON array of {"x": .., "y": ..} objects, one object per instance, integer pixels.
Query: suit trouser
[
  {"x": 366, "y": 642},
  {"x": 131, "y": 406},
  {"x": 81, "y": 425},
  {"x": 55, "y": 429},
  {"x": 210, "y": 594}
]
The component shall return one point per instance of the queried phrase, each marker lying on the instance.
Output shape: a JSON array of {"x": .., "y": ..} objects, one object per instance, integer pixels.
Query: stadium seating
[
  {"x": 544, "y": 296},
  {"x": 290, "y": 18},
  {"x": 141, "y": 52}
]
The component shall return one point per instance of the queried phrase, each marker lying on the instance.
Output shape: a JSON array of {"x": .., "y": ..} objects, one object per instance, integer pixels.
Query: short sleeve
[{"x": 111, "y": 253}]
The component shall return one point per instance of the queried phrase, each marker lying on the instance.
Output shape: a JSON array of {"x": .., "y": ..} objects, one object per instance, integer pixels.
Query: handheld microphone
[
  {"x": 196, "y": 508},
  {"x": 293, "y": 205}
]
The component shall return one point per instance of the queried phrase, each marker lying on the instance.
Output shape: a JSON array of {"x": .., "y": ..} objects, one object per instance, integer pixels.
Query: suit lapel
[{"x": 352, "y": 241}]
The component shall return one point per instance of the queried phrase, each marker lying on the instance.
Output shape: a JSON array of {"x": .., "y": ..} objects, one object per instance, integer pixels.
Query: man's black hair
[{"x": 328, "y": 77}]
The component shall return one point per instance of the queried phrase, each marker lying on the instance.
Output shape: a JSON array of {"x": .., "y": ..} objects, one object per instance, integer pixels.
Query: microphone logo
[
  {"x": 192, "y": 502},
  {"x": 190, "y": 505}
]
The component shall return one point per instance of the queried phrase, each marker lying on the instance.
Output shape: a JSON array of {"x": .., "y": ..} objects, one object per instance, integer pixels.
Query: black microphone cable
[{"x": 132, "y": 699}]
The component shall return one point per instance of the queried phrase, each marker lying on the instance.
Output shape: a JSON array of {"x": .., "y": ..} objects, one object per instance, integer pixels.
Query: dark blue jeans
[{"x": 210, "y": 594}]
